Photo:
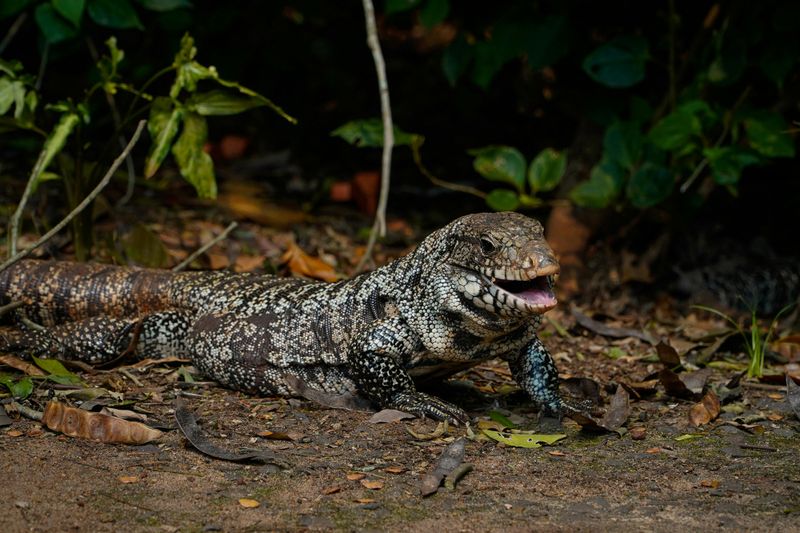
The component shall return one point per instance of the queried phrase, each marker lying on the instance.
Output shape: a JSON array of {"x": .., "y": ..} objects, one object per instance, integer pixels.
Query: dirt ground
[
  {"x": 656, "y": 473},
  {"x": 728, "y": 475}
]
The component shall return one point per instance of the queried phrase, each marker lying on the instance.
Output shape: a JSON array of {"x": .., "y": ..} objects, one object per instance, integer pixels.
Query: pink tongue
[{"x": 537, "y": 296}]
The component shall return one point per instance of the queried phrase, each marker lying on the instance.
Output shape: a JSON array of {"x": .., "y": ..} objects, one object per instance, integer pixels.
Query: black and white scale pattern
[{"x": 436, "y": 310}]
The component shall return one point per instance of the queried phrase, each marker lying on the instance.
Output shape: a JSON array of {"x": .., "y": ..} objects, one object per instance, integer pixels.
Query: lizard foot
[{"x": 425, "y": 405}]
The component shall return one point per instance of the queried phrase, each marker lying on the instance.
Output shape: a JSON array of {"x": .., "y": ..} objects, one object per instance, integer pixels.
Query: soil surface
[{"x": 657, "y": 472}]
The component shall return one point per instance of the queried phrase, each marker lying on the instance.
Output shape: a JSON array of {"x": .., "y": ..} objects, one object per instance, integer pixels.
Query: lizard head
[{"x": 503, "y": 264}]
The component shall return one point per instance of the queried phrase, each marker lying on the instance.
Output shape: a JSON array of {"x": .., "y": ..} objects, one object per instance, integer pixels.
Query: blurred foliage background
[{"x": 685, "y": 109}]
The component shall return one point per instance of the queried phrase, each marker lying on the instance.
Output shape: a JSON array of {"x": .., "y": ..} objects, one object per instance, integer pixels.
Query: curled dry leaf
[
  {"x": 355, "y": 476},
  {"x": 128, "y": 479},
  {"x": 372, "y": 484},
  {"x": 96, "y": 426},
  {"x": 300, "y": 263},
  {"x": 23, "y": 366},
  {"x": 705, "y": 410}
]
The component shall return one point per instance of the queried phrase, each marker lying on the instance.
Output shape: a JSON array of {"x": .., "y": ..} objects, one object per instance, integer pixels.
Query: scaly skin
[{"x": 436, "y": 310}]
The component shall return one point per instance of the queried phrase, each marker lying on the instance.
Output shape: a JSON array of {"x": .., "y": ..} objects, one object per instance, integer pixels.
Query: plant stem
[
  {"x": 379, "y": 226},
  {"x": 86, "y": 201},
  {"x": 200, "y": 251},
  {"x": 13, "y": 226}
]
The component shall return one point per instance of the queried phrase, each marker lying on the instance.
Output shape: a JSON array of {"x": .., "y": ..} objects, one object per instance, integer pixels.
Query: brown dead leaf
[
  {"x": 774, "y": 417},
  {"x": 705, "y": 410},
  {"x": 300, "y": 263},
  {"x": 365, "y": 191},
  {"x": 217, "y": 261},
  {"x": 394, "y": 469},
  {"x": 386, "y": 416},
  {"x": 249, "y": 503},
  {"x": 775, "y": 396},
  {"x": 638, "y": 433},
  {"x": 557, "y": 453},
  {"x": 333, "y": 489},
  {"x": 35, "y": 432},
  {"x": 653, "y": 450},
  {"x": 128, "y": 479},
  {"x": 273, "y": 435},
  {"x": 95, "y": 426},
  {"x": 710, "y": 483},
  {"x": 248, "y": 206},
  {"x": 372, "y": 484},
  {"x": 355, "y": 476},
  {"x": 14, "y": 433},
  {"x": 248, "y": 263},
  {"x": 364, "y": 500},
  {"x": 23, "y": 366}
]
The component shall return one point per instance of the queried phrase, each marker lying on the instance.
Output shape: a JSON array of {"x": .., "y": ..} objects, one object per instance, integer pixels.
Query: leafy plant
[
  {"x": 506, "y": 164},
  {"x": 756, "y": 343}
]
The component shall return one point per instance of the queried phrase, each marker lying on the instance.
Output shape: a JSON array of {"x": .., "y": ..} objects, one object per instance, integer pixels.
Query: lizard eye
[{"x": 487, "y": 246}]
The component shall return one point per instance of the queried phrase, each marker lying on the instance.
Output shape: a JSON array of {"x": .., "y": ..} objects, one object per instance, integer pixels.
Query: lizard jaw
[{"x": 529, "y": 290}]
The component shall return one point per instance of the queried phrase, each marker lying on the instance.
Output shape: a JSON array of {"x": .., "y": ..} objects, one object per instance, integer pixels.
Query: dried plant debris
[
  {"x": 668, "y": 355},
  {"x": 441, "y": 429},
  {"x": 793, "y": 395},
  {"x": 616, "y": 415},
  {"x": 188, "y": 426},
  {"x": 386, "y": 416},
  {"x": 450, "y": 459},
  {"x": 347, "y": 401},
  {"x": 705, "y": 410},
  {"x": 609, "y": 331},
  {"x": 96, "y": 426}
]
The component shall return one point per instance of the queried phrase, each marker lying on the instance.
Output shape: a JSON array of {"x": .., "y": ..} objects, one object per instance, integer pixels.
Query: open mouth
[{"x": 537, "y": 292}]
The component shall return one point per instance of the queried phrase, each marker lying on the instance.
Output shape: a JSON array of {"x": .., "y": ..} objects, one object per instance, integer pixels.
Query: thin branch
[
  {"x": 203, "y": 249},
  {"x": 415, "y": 152},
  {"x": 12, "y": 31},
  {"x": 13, "y": 226},
  {"x": 42, "y": 66},
  {"x": 379, "y": 226},
  {"x": 86, "y": 201}
]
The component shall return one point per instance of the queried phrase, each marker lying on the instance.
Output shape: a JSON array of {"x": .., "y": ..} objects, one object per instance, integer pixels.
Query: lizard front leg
[
  {"x": 375, "y": 361},
  {"x": 535, "y": 372}
]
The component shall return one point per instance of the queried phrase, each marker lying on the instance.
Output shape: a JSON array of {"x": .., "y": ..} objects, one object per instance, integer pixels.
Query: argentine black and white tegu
[{"x": 472, "y": 290}]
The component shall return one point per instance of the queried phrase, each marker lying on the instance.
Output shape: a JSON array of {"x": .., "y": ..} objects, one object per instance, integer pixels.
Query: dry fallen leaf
[
  {"x": 364, "y": 500},
  {"x": 302, "y": 264},
  {"x": 355, "y": 476},
  {"x": 24, "y": 366},
  {"x": 273, "y": 435},
  {"x": 248, "y": 503},
  {"x": 557, "y": 453},
  {"x": 372, "y": 484},
  {"x": 653, "y": 450},
  {"x": 394, "y": 469},
  {"x": 775, "y": 396},
  {"x": 710, "y": 483},
  {"x": 332, "y": 490},
  {"x": 95, "y": 426},
  {"x": 14, "y": 433},
  {"x": 705, "y": 410},
  {"x": 128, "y": 479},
  {"x": 638, "y": 433}
]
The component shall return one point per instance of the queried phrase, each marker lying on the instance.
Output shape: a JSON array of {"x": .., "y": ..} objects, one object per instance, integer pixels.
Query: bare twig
[
  {"x": 84, "y": 203},
  {"x": 203, "y": 249},
  {"x": 13, "y": 225},
  {"x": 12, "y": 31},
  {"x": 415, "y": 152},
  {"x": 27, "y": 412},
  {"x": 379, "y": 226},
  {"x": 42, "y": 66},
  {"x": 4, "y": 310}
]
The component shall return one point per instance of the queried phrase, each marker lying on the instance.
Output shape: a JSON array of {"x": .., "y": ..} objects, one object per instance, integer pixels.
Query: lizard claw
[{"x": 425, "y": 405}]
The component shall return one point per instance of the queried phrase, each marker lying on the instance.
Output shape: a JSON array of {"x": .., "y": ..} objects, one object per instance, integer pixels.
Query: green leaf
[
  {"x": 163, "y": 126},
  {"x": 619, "y": 63},
  {"x": 9, "y": 8},
  {"x": 56, "y": 371},
  {"x": 680, "y": 127},
  {"x": 19, "y": 388},
  {"x": 11, "y": 91},
  {"x": 114, "y": 14},
  {"x": 546, "y": 170},
  {"x": 55, "y": 142},
  {"x": 502, "y": 419},
  {"x": 397, "y": 6},
  {"x": 456, "y": 59},
  {"x": 164, "y": 5},
  {"x": 221, "y": 102},
  {"x": 502, "y": 200},
  {"x": 649, "y": 185},
  {"x": 730, "y": 62},
  {"x": 523, "y": 439},
  {"x": 768, "y": 135},
  {"x": 53, "y": 27},
  {"x": 195, "y": 164},
  {"x": 368, "y": 133},
  {"x": 500, "y": 163},
  {"x": 728, "y": 162},
  {"x": 143, "y": 247},
  {"x": 601, "y": 188},
  {"x": 434, "y": 12},
  {"x": 622, "y": 144},
  {"x": 72, "y": 10}
]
